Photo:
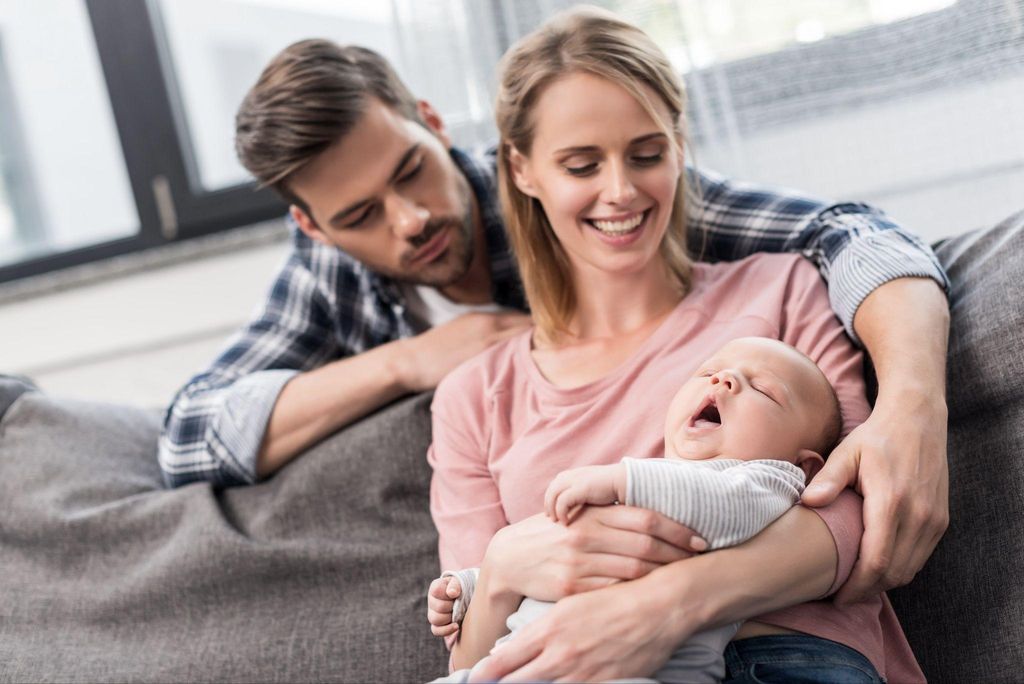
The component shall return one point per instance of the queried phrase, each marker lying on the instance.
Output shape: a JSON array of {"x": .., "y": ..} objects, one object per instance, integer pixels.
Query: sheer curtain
[{"x": 914, "y": 105}]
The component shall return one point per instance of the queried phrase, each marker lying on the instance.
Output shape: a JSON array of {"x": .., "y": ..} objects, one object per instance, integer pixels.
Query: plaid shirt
[{"x": 324, "y": 305}]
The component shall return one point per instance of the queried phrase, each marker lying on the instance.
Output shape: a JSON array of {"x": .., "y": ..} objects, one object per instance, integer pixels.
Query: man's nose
[
  {"x": 727, "y": 380},
  {"x": 619, "y": 189},
  {"x": 407, "y": 218}
]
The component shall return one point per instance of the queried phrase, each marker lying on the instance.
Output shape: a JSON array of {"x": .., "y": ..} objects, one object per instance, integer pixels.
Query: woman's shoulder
[
  {"x": 734, "y": 287},
  {"x": 481, "y": 376},
  {"x": 757, "y": 267}
]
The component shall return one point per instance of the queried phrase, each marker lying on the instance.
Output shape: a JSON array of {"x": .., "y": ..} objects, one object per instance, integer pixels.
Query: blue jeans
[{"x": 793, "y": 659}]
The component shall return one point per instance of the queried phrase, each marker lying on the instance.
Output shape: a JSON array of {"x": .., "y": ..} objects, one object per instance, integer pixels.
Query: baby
[{"x": 742, "y": 437}]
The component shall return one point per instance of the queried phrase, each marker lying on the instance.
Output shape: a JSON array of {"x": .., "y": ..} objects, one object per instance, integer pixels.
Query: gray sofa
[{"x": 319, "y": 573}]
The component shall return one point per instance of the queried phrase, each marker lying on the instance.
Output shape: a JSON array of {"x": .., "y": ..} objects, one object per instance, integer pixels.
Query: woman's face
[{"x": 604, "y": 172}]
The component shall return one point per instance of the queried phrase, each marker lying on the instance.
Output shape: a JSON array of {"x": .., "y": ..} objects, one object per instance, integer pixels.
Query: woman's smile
[{"x": 622, "y": 230}]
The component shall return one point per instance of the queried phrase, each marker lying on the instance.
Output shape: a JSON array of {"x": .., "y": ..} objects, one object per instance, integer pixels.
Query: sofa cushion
[
  {"x": 964, "y": 613},
  {"x": 318, "y": 574}
]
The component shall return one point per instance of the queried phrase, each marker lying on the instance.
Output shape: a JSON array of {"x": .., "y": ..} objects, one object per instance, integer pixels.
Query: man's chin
[{"x": 438, "y": 275}]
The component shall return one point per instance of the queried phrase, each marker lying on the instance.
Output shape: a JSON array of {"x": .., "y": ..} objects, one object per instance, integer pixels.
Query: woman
[{"x": 592, "y": 183}]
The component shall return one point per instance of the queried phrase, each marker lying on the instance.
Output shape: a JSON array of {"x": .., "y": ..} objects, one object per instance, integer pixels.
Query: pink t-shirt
[{"x": 501, "y": 431}]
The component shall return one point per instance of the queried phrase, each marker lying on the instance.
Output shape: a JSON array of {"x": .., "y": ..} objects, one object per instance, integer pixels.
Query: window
[
  {"x": 63, "y": 182},
  {"x": 117, "y": 116}
]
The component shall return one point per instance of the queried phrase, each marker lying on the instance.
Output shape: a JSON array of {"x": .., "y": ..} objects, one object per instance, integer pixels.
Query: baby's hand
[
  {"x": 440, "y": 601},
  {"x": 571, "y": 489}
]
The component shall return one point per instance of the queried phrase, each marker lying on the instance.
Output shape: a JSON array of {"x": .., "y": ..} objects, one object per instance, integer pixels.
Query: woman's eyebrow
[
  {"x": 587, "y": 149},
  {"x": 646, "y": 138}
]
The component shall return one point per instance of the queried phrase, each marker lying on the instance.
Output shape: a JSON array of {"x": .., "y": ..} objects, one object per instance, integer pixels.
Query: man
[{"x": 400, "y": 271}]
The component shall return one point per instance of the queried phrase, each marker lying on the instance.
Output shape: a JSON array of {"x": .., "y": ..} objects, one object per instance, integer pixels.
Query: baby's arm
[
  {"x": 724, "y": 502},
  {"x": 571, "y": 489}
]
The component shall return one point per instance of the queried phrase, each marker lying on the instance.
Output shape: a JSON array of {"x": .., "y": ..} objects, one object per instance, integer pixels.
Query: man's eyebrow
[
  {"x": 583, "y": 149},
  {"x": 351, "y": 209}
]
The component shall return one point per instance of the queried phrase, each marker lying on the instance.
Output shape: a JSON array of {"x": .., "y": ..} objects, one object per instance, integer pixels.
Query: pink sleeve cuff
[{"x": 844, "y": 518}]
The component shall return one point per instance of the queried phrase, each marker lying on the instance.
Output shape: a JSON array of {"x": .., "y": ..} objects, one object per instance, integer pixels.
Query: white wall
[{"x": 942, "y": 162}]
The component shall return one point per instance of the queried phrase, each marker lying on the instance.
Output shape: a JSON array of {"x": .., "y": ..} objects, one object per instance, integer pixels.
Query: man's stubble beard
[{"x": 458, "y": 256}]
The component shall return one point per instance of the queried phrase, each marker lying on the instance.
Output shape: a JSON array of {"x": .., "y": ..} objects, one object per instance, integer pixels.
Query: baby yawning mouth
[{"x": 707, "y": 416}]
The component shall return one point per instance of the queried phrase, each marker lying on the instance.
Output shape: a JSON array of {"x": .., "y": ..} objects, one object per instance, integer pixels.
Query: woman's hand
[
  {"x": 634, "y": 638},
  {"x": 631, "y": 628},
  {"x": 539, "y": 558}
]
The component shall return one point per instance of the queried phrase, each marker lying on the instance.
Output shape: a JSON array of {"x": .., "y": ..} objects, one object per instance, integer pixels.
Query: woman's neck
[{"x": 611, "y": 305}]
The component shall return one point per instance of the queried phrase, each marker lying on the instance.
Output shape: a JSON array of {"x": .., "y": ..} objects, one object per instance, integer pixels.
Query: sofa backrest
[{"x": 964, "y": 613}]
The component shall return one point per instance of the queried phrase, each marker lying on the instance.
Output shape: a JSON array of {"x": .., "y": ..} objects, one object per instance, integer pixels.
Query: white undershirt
[{"x": 432, "y": 308}]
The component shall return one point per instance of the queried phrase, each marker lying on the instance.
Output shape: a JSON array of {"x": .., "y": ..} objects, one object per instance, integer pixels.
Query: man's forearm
[
  {"x": 794, "y": 560},
  {"x": 904, "y": 325},
  {"x": 315, "y": 404}
]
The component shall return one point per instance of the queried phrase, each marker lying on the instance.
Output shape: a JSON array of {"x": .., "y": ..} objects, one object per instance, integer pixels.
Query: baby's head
[{"x": 755, "y": 398}]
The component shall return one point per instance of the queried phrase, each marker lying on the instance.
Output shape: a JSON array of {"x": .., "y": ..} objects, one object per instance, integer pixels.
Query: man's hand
[
  {"x": 896, "y": 459},
  {"x": 425, "y": 359},
  {"x": 595, "y": 485},
  {"x": 440, "y": 603}
]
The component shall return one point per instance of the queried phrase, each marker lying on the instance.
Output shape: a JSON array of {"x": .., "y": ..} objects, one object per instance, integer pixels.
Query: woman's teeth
[{"x": 618, "y": 227}]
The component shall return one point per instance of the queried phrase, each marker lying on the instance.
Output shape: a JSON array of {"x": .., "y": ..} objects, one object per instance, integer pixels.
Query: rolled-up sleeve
[
  {"x": 855, "y": 247},
  {"x": 214, "y": 428}
]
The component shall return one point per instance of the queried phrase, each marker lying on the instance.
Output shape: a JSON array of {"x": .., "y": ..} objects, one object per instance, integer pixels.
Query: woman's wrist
[{"x": 494, "y": 579}]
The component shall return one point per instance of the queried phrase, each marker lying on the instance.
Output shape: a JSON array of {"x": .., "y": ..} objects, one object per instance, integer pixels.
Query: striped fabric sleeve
[
  {"x": 855, "y": 247},
  {"x": 467, "y": 583},
  {"x": 214, "y": 427},
  {"x": 724, "y": 501}
]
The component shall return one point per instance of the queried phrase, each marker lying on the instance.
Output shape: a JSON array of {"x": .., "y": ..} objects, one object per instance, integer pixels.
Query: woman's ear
[
  {"x": 519, "y": 167},
  {"x": 810, "y": 462}
]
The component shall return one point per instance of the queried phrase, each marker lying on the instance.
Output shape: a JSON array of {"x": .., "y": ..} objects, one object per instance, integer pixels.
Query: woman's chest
[{"x": 544, "y": 432}]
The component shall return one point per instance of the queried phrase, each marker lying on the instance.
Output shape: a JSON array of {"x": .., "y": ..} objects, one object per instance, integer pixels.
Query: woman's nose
[{"x": 619, "y": 189}]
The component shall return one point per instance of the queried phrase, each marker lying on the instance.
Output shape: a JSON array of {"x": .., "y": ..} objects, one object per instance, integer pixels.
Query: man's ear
[
  {"x": 308, "y": 226},
  {"x": 521, "y": 176},
  {"x": 434, "y": 122},
  {"x": 810, "y": 462}
]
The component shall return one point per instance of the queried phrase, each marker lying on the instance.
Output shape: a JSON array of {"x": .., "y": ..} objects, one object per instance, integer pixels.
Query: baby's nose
[{"x": 726, "y": 379}]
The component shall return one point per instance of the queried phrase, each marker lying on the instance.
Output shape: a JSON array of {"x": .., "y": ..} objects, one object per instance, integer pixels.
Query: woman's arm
[
  {"x": 633, "y": 627},
  {"x": 534, "y": 557}
]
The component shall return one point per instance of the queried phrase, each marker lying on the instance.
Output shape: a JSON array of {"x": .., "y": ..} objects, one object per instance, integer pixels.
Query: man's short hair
[{"x": 309, "y": 96}]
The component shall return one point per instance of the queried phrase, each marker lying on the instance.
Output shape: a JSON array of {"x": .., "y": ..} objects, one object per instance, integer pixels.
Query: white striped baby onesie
[{"x": 725, "y": 501}]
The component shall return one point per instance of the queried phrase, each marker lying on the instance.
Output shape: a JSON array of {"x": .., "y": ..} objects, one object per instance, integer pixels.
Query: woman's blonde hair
[{"x": 581, "y": 40}]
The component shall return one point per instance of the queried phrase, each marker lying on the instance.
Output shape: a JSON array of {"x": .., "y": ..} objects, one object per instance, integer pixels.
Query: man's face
[
  {"x": 389, "y": 194},
  {"x": 754, "y": 398}
]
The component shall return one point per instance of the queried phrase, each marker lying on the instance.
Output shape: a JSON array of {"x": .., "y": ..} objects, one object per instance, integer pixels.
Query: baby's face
[{"x": 754, "y": 398}]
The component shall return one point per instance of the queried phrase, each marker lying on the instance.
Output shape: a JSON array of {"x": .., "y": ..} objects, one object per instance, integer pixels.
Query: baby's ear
[{"x": 810, "y": 462}]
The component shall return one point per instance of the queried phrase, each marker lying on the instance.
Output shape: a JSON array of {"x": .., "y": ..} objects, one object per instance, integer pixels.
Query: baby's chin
[{"x": 691, "y": 450}]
